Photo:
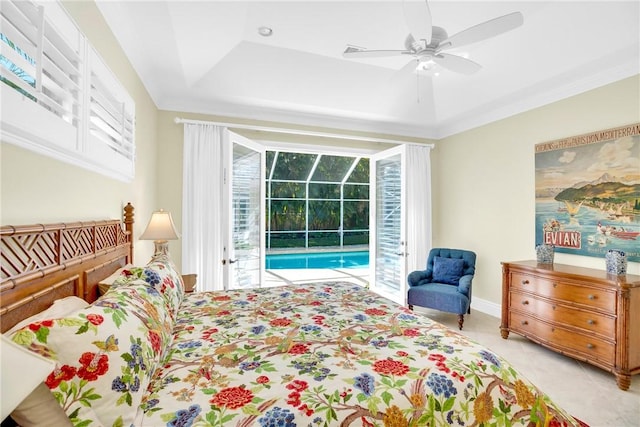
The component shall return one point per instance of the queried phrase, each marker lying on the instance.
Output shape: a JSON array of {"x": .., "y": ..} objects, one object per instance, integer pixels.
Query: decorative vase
[
  {"x": 544, "y": 254},
  {"x": 616, "y": 262}
]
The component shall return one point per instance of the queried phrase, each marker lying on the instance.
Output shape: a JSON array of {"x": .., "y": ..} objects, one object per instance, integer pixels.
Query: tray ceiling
[{"x": 208, "y": 57}]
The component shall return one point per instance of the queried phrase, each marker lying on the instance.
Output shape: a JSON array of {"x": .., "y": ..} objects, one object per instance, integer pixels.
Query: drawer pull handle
[
  {"x": 553, "y": 307},
  {"x": 555, "y": 285},
  {"x": 525, "y": 282},
  {"x": 525, "y": 302},
  {"x": 591, "y": 322},
  {"x": 524, "y": 322},
  {"x": 590, "y": 346},
  {"x": 590, "y": 296}
]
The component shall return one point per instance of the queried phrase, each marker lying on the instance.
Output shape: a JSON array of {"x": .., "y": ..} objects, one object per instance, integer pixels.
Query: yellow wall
[
  {"x": 38, "y": 189},
  {"x": 484, "y": 182}
]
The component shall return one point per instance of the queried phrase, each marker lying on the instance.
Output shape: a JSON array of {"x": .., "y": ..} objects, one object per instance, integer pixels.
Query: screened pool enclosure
[{"x": 316, "y": 200}]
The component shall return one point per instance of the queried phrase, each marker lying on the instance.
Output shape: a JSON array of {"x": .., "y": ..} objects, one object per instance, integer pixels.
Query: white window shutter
[
  {"x": 50, "y": 75},
  {"x": 111, "y": 118}
]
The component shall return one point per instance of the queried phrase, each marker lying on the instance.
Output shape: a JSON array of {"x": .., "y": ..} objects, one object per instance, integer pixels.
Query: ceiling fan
[{"x": 427, "y": 42}]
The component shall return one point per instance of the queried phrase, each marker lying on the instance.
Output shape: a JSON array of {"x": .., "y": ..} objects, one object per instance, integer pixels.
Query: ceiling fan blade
[
  {"x": 357, "y": 52},
  {"x": 418, "y": 20},
  {"x": 456, "y": 63},
  {"x": 484, "y": 30}
]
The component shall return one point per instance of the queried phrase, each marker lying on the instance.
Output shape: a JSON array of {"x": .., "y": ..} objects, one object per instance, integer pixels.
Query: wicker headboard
[{"x": 44, "y": 262}]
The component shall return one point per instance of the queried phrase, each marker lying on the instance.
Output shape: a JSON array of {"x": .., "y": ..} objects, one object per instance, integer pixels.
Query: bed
[{"x": 148, "y": 354}]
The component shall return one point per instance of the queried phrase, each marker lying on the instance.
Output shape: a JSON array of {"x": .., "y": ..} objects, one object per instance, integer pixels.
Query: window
[
  {"x": 58, "y": 96},
  {"x": 316, "y": 200}
]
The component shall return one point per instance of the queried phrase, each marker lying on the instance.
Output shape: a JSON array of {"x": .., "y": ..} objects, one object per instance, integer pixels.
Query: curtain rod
[{"x": 180, "y": 120}]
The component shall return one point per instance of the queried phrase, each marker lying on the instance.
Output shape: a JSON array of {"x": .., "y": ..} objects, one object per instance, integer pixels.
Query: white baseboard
[{"x": 487, "y": 307}]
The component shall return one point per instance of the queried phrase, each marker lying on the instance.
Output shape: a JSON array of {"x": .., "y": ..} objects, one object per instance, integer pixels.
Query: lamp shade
[
  {"x": 21, "y": 371},
  {"x": 160, "y": 227}
]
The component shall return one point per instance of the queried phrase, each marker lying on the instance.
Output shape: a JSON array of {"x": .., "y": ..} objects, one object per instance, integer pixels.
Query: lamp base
[
  {"x": 162, "y": 253},
  {"x": 161, "y": 249}
]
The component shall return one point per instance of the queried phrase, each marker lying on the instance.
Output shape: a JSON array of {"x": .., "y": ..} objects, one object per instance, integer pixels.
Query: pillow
[
  {"x": 447, "y": 270},
  {"x": 106, "y": 353},
  {"x": 161, "y": 273},
  {"x": 60, "y": 308},
  {"x": 40, "y": 408},
  {"x": 112, "y": 278},
  {"x": 122, "y": 276}
]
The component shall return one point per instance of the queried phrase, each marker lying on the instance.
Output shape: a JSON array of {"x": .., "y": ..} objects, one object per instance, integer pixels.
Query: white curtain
[
  {"x": 202, "y": 214},
  {"x": 418, "y": 193}
]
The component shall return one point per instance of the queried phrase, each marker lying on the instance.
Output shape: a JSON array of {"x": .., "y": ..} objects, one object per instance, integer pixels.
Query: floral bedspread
[{"x": 330, "y": 354}]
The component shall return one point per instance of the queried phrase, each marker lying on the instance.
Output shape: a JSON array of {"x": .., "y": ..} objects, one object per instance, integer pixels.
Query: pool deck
[{"x": 279, "y": 277}]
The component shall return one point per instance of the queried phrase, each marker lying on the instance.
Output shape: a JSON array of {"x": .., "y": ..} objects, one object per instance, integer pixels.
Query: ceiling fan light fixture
[
  {"x": 428, "y": 68},
  {"x": 428, "y": 64}
]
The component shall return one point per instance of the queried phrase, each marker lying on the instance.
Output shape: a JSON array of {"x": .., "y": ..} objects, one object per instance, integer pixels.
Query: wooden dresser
[{"x": 583, "y": 313}]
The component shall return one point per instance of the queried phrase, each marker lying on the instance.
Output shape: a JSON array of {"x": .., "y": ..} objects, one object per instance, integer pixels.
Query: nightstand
[{"x": 189, "y": 281}]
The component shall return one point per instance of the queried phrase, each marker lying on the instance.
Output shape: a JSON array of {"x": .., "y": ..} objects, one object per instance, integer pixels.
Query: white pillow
[
  {"x": 40, "y": 408},
  {"x": 60, "y": 308}
]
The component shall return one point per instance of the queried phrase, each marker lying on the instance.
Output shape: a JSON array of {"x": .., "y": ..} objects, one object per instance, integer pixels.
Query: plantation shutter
[
  {"x": 43, "y": 64},
  {"x": 59, "y": 98},
  {"x": 111, "y": 119}
]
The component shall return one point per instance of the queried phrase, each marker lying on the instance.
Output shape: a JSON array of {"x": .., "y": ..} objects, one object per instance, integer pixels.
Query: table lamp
[
  {"x": 21, "y": 371},
  {"x": 160, "y": 230}
]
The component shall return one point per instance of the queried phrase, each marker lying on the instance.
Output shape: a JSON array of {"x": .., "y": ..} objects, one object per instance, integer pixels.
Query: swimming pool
[{"x": 356, "y": 259}]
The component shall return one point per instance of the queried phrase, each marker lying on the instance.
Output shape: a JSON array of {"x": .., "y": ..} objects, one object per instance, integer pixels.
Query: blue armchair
[{"x": 446, "y": 283}]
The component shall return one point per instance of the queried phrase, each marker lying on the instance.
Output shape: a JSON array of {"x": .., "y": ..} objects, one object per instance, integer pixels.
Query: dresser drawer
[
  {"x": 555, "y": 313},
  {"x": 588, "y": 346},
  {"x": 596, "y": 298}
]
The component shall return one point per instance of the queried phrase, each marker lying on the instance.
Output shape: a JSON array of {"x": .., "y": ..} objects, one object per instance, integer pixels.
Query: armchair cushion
[
  {"x": 439, "y": 296},
  {"x": 447, "y": 270}
]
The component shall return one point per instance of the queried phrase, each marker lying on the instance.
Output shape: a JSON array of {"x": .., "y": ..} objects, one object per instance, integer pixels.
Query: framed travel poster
[{"x": 588, "y": 193}]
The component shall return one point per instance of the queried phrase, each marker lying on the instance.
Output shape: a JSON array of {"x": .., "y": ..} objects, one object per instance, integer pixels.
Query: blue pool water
[{"x": 358, "y": 259}]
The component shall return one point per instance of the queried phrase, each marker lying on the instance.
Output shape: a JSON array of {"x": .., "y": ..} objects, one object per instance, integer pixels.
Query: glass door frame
[
  {"x": 231, "y": 262},
  {"x": 399, "y": 294}
]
